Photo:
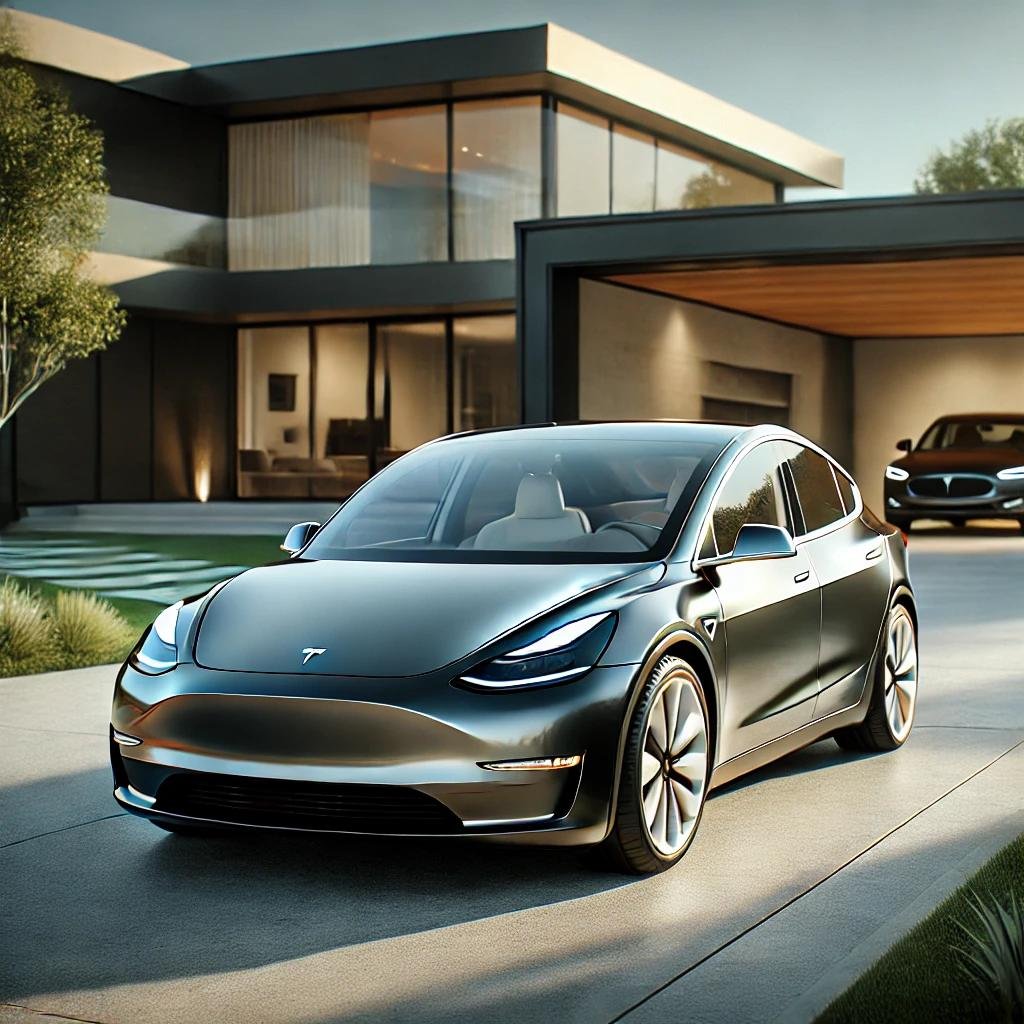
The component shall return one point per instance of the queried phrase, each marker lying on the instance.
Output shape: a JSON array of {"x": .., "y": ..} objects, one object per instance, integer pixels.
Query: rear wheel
[
  {"x": 894, "y": 698},
  {"x": 664, "y": 774}
]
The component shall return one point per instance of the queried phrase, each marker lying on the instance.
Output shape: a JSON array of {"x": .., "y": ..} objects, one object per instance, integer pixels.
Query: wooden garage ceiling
[{"x": 912, "y": 298}]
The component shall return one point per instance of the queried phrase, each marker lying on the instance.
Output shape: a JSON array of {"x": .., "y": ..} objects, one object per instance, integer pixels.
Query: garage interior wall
[
  {"x": 643, "y": 356},
  {"x": 901, "y": 385}
]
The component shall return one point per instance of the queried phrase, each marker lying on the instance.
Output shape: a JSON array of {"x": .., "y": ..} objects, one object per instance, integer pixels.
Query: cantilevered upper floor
[{"x": 403, "y": 154}]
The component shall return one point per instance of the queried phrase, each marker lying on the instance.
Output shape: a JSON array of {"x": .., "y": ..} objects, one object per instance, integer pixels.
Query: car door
[
  {"x": 770, "y": 610},
  {"x": 853, "y": 572}
]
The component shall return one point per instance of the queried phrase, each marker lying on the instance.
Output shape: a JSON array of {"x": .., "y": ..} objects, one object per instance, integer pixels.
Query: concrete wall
[
  {"x": 902, "y": 384},
  {"x": 643, "y": 355}
]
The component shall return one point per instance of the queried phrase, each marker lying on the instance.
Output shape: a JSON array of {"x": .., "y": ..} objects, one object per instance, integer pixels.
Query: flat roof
[{"x": 539, "y": 58}]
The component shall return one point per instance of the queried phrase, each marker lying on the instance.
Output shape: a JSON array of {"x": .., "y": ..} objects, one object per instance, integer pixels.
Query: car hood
[
  {"x": 961, "y": 460},
  {"x": 378, "y": 618}
]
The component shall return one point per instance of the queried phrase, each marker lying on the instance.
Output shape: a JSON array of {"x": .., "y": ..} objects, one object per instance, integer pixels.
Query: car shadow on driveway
[{"x": 102, "y": 902}]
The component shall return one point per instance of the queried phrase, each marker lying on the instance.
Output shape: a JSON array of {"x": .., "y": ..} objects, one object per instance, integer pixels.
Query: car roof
[
  {"x": 982, "y": 417},
  {"x": 626, "y": 430}
]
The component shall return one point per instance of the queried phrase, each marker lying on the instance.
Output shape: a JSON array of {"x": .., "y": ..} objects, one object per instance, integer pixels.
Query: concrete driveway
[{"x": 800, "y": 876}]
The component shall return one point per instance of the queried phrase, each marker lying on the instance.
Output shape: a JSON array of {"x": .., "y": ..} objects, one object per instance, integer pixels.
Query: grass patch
[
  {"x": 72, "y": 631},
  {"x": 135, "y": 614},
  {"x": 921, "y": 978}
]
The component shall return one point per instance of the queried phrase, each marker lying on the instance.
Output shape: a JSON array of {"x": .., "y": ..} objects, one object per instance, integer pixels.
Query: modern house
[{"x": 319, "y": 257}]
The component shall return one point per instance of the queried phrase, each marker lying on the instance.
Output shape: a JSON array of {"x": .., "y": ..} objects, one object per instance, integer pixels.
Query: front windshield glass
[
  {"x": 502, "y": 498},
  {"x": 973, "y": 434}
]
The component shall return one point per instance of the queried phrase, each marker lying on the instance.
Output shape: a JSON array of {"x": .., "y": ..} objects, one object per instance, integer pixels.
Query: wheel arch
[{"x": 681, "y": 642}]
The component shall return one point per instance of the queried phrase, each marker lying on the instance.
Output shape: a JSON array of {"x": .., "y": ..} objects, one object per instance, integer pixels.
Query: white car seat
[{"x": 540, "y": 517}]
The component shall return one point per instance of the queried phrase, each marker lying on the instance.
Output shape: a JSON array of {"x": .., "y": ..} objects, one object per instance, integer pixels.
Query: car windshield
[
  {"x": 974, "y": 433},
  {"x": 503, "y": 498}
]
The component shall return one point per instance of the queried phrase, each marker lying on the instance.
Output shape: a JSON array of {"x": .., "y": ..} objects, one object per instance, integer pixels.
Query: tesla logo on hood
[{"x": 312, "y": 652}]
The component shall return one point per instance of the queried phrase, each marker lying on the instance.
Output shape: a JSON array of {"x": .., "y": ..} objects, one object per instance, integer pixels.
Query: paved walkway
[
  {"x": 109, "y": 569},
  {"x": 801, "y": 875}
]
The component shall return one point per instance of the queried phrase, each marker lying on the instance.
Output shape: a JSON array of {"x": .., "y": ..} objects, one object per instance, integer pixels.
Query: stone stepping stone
[
  {"x": 66, "y": 550},
  {"x": 213, "y": 575},
  {"x": 125, "y": 572},
  {"x": 22, "y": 564}
]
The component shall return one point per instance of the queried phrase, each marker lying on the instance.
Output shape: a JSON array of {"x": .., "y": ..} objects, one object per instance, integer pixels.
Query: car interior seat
[
  {"x": 659, "y": 517},
  {"x": 540, "y": 517},
  {"x": 967, "y": 436}
]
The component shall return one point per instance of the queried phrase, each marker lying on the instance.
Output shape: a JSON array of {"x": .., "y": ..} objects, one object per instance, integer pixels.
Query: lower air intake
[{"x": 321, "y": 806}]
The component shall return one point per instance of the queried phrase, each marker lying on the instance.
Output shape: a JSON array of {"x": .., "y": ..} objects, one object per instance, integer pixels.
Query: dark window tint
[
  {"x": 846, "y": 490},
  {"x": 752, "y": 494},
  {"x": 816, "y": 488}
]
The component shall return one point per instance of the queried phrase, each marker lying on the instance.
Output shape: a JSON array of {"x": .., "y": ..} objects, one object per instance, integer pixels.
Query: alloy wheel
[
  {"x": 900, "y": 674},
  {"x": 673, "y": 769}
]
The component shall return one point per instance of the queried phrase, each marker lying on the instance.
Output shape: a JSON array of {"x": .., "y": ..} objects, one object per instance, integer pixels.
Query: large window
[
  {"x": 496, "y": 174},
  {"x": 632, "y": 171},
  {"x": 429, "y": 183},
  {"x": 323, "y": 406},
  {"x": 484, "y": 372},
  {"x": 584, "y": 162}
]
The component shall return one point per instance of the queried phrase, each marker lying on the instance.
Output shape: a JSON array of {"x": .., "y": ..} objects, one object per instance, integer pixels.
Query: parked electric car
[
  {"x": 556, "y": 634},
  {"x": 964, "y": 467}
]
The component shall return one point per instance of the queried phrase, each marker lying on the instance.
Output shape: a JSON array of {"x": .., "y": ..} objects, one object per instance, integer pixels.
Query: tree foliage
[
  {"x": 988, "y": 158},
  {"x": 51, "y": 213}
]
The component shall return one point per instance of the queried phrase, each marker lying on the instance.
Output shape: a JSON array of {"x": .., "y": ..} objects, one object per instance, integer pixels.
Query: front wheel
[
  {"x": 894, "y": 698},
  {"x": 664, "y": 775}
]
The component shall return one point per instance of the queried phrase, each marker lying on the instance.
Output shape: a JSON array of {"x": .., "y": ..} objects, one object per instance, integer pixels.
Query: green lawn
[
  {"x": 224, "y": 550},
  {"x": 920, "y": 979}
]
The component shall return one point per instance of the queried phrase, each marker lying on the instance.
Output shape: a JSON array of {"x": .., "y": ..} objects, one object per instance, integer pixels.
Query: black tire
[
  {"x": 959, "y": 524},
  {"x": 1020, "y": 523},
  {"x": 903, "y": 523},
  {"x": 874, "y": 734},
  {"x": 629, "y": 847}
]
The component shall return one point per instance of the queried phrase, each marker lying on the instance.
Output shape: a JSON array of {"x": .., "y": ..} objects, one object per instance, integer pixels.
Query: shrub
[
  {"x": 24, "y": 632},
  {"x": 994, "y": 957},
  {"x": 87, "y": 630}
]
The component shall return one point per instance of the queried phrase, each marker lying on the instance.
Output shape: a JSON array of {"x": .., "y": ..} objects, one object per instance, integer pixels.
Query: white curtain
[{"x": 299, "y": 193}]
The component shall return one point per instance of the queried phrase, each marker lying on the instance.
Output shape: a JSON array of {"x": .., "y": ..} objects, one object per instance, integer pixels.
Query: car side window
[
  {"x": 754, "y": 493},
  {"x": 816, "y": 487},
  {"x": 846, "y": 491}
]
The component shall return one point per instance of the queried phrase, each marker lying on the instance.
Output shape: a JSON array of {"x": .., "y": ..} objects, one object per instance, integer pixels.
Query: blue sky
[{"x": 884, "y": 82}]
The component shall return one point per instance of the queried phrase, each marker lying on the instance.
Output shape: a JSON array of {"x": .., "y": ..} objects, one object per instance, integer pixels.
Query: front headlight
[
  {"x": 563, "y": 654},
  {"x": 1013, "y": 473},
  {"x": 159, "y": 652},
  {"x": 895, "y": 473}
]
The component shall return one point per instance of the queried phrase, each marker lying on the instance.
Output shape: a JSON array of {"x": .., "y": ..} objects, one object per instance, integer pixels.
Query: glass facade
[
  {"x": 442, "y": 182},
  {"x": 584, "y": 161},
  {"x": 323, "y": 406},
  {"x": 496, "y": 174}
]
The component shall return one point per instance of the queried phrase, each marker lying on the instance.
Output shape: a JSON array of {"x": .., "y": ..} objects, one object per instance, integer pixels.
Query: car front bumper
[
  {"x": 372, "y": 756},
  {"x": 1005, "y": 500}
]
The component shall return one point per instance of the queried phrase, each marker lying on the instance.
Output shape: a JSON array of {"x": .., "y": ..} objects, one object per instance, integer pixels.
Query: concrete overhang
[
  {"x": 320, "y": 293},
  {"x": 544, "y": 58}
]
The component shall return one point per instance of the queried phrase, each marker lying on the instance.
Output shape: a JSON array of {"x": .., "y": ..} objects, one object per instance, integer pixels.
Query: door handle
[
  {"x": 802, "y": 577},
  {"x": 874, "y": 553}
]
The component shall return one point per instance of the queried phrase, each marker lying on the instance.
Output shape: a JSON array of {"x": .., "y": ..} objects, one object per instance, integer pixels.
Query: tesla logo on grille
[
  {"x": 947, "y": 480},
  {"x": 312, "y": 652}
]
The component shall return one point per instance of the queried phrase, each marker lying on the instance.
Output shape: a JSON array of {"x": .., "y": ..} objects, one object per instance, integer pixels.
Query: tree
[
  {"x": 51, "y": 212},
  {"x": 992, "y": 157}
]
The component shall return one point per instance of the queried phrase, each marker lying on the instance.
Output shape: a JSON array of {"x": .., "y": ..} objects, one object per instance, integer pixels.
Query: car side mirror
[
  {"x": 299, "y": 536},
  {"x": 906, "y": 445},
  {"x": 756, "y": 542}
]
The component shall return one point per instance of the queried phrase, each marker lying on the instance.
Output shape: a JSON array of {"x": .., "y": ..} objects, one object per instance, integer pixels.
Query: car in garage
[
  {"x": 964, "y": 467},
  {"x": 553, "y": 634}
]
